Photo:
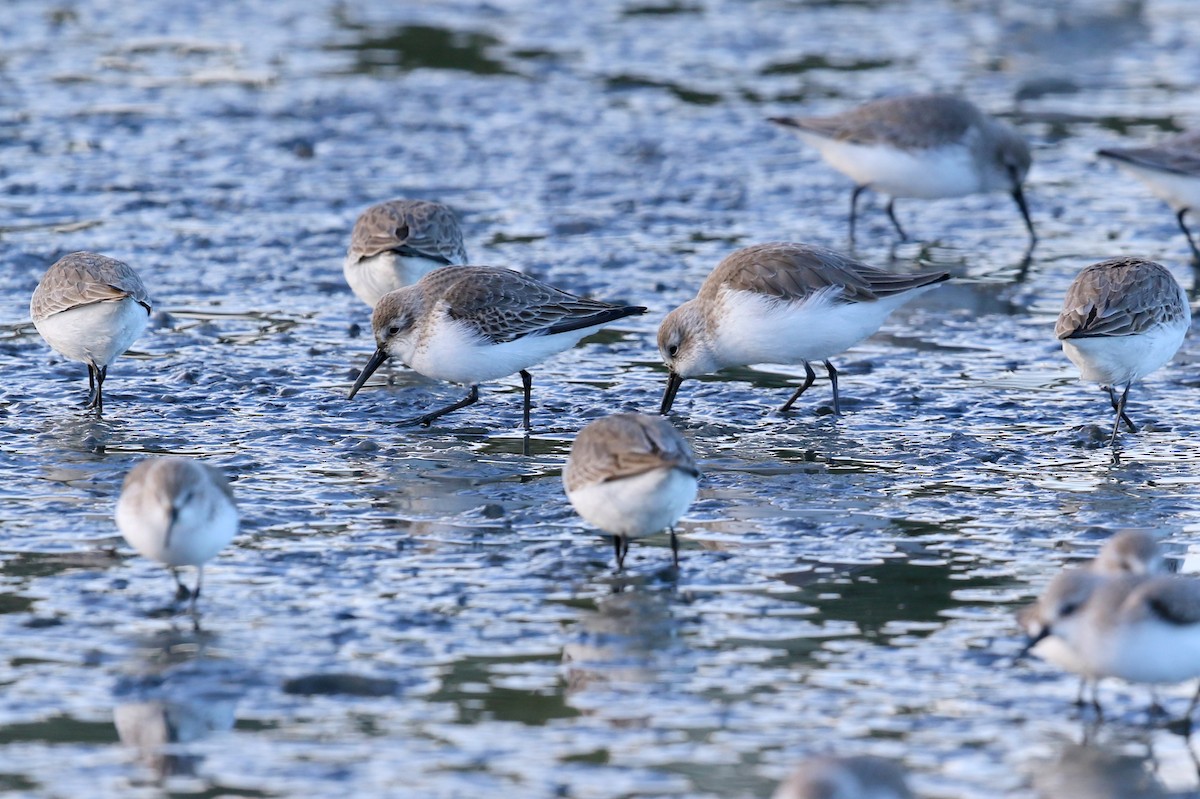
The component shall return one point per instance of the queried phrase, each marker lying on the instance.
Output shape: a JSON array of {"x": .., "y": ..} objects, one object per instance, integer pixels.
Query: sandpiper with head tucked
[
  {"x": 396, "y": 243},
  {"x": 468, "y": 324},
  {"x": 90, "y": 308},
  {"x": 845, "y": 778},
  {"x": 920, "y": 146},
  {"x": 1121, "y": 320},
  {"x": 1171, "y": 169},
  {"x": 631, "y": 475},
  {"x": 179, "y": 512},
  {"x": 781, "y": 303}
]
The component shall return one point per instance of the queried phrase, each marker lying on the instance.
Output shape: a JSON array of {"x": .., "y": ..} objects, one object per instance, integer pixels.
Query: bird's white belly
[
  {"x": 755, "y": 329},
  {"x": 1117, "y": 360},
  {"x": 201, "y": 530},
  {"x": 95, "y": 333},
  {"x": 1150, "y": 651},
  {"x": 636, "y": 506},
  {"x": 1178, "y": 191},
  {"x": 947, "y": 171},
  {"x": 451, "y": 351}
]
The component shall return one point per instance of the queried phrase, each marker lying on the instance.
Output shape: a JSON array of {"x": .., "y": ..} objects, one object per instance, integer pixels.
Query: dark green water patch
[
  {"x": 409, "y": 47},
  {"x": 692, "y": 96},
  {"x": 810, "y": 63}
]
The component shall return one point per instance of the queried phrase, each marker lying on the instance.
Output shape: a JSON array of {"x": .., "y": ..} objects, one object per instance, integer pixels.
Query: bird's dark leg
[
  {"x": 837, "y": 403},
  {"x": 618, "y": 552},
  {"x": 471, "y": 398},
  {"x": 1191, "y": 242},
  {"x": 891, "y": 212},
  {"x": 196, "y": 593},
  {"x": 181, "y": 590},
  {"x": 91, "y": 385},
  {"x": 527, "y": 382},
  {"x": 854, "y": 210},
  {"x": 1124, "y": 416},
  {"x": 809, "y": 377},
  {"x": 675, "y": 547},
  {"x": 1120, "y": 415}
]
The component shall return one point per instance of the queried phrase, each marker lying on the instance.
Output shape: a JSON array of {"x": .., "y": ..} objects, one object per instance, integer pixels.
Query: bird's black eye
[
  {"x": 393, "y": 330},
  {"x": 1069, "y": 609},
  {"x": 672, "y": 350}
]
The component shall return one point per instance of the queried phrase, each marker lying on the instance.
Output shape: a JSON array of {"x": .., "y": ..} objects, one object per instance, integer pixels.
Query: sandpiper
[
  {"x": 1171, "y": 170},
  {"x": 781, "y": 303},
  {"x": 1129, "y": 552},
  {"x": 631, "y": 475},
  {"x": 179, "y": 512},
  {"x": 396, "y": 243},
  {"x": 845, "y": 778},
  {"x": 1139, "y": 629},
  {"x": 1121, "y": 320},
  {"x": 468, "y": 324},
  {"x": 90, "y": 308},
  {"x": 920, "y": 146}
]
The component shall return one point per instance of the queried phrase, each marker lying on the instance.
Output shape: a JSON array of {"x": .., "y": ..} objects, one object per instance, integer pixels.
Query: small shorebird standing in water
[
  {"x": 90, "y": 308},
  {"x": 1171, "y": 169},
  {"x": 845, "y": 778},
  {"x": 632, "y": 476},
  {"x": 179, "y": 512},
  {"x": 396, "y": 243},
  {"x": 781, "y": 303},
  {"x": 1139, "y": 629},
  {"x": 468, "y": 324},
  {"x": 1129, "y": 552},
  {"x": 921, "y": 146},
  {"x": 1121, "y": 320}
]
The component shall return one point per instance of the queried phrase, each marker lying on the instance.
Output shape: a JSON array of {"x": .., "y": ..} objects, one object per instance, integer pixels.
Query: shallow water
[{"x": 415, "y": 612}]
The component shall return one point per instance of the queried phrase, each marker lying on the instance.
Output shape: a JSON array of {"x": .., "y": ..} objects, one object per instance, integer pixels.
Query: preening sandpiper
[
  {"x": 396, "y": 243},
  {"x": 781, "y": 303},
  {"x": 90, "y": 308},
  {"x": 179, "y": 512},
  {"x": 469, "y": 324},
  {"x": 631, "y": 475},
  {"x": 920, "y": 146},
  {"x": 1121, "y": 320},
  {"x": 1171, "y": 169}
]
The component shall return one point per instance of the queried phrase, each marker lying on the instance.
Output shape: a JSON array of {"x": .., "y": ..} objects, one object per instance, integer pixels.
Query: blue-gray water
[{"x": 847, "y": 584}]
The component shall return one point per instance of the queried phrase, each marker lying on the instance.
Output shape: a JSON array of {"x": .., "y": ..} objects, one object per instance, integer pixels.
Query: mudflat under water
[{"x": 415, "y": 612}]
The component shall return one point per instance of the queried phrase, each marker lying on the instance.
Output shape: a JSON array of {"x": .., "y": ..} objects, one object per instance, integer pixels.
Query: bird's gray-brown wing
[
  {"x": 409, "y": 227},
  {"x": 1119, "y": 297},
  {"x": 1178, "y": 154},
  {"x": 626, "y": 445},
  {"x": 1174, "y": 599},
  {"x": 84, "y": 278},
  {"x": 912, "y": 123},
  {"x": 794, "y": 272},
  {"x": 503, "y": 305}
]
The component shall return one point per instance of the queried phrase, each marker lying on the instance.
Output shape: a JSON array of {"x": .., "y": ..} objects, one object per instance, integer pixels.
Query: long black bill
[
  {"x": 1018, "y": 194},
  {"x": 376, "y": 361},
  {"x": 673, "y": 382}
]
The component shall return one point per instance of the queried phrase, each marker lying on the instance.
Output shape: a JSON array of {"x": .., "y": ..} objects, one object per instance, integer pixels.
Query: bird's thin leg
[
  {"x": 527, "y": 382},
  {"x": 1120, "y": 415},
  {"x": 837, "y": 403},
  {"x": 1191, "y": 242},
  {"x": 674, "y": 547},
  {"x": 1112, "y": 397},
  {"x": 101, "y": 373},
  {"x": 471, "y": 398},
  {"x": 181, "y": 590},
  {"x": 891, "y": 212},
  {"x": 196, "y": 593},
  {"x": 809, "y": 377},
  {"x": 91, "y": 385},
  {"x": 620, "y": 556},
  {"x": 854, "y": 210}
]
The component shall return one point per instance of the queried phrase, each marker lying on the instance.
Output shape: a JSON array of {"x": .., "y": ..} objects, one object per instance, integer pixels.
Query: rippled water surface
[{"x": 414, "y": 612}]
